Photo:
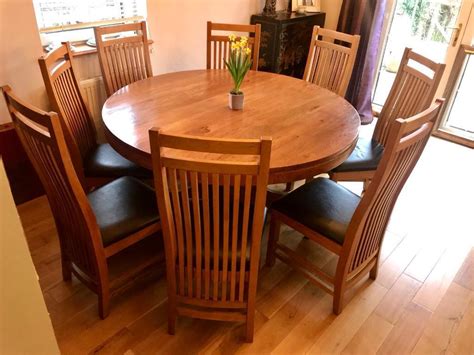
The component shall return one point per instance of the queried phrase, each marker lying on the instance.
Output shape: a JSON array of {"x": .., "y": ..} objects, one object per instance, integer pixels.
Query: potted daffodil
[{"x": 238, "y": 65}]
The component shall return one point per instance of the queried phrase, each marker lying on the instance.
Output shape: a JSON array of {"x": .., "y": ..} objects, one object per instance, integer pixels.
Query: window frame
[{"x": 87, "y": 25}]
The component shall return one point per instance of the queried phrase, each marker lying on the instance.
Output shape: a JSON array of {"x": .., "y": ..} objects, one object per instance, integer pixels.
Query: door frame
[{"x": 449, "y": 95}]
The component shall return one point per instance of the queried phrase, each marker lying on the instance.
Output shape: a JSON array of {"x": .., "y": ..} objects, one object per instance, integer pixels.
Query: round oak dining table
[{"x": 313, "y": 130}]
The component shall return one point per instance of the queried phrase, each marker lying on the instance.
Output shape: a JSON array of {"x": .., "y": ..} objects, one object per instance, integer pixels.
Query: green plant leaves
[{"x": 238, "y": 65}]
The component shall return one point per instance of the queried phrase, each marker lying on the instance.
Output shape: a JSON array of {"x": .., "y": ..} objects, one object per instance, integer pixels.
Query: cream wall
[
  {"x": 332, "y": 9},
  {"x": 179, "y": 29},
  {"x": 25, "y": 327},
  {"x": 20, "y": 48}
]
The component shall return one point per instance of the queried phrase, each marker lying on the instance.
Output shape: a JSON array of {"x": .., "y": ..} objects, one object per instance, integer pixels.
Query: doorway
[
  {"x": 429, "y": 27},
  {"x": 457, "y": 120}
]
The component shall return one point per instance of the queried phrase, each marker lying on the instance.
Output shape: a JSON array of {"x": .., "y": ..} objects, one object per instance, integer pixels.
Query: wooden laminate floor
[{"x": 422, "y": 301}]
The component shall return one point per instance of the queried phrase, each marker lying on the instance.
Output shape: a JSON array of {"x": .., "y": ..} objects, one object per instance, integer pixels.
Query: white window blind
[{"x": 53, "y": 13}]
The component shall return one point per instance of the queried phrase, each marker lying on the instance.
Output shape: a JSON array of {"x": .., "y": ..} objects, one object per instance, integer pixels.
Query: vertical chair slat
[
  {"x": 314, "y": 64},
  {"x": 225, "y": 235},
  {"x": 197, "y": 229},
  {"x": 221, "y": 54},
  {"x": 131, "y": 63},
  {"x": 120, "y": 66},
  {"x": 245, "y": 230},
  {"x": 128, "y": 63},
  {"x": 216, "y": 234},
  {"x": 109, "y": 68},
  {"x": 116, "y": 69},
  {"x": 235, "y": 236},
  {"x": 207, "y": 233},
  {"x": 214, "y": 51},
  {"x": 123, "y": 64},
  {"x": 173, "y": 183},
  {"x": 183, "y": 179}
]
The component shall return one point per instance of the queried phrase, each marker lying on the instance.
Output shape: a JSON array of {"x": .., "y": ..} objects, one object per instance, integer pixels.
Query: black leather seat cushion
[
  {"x": 322, "y": 205},
  {"x": 122, "y": 207},
  {"x": 104, "y": 161},
  {"x": 365, "y": 156}
]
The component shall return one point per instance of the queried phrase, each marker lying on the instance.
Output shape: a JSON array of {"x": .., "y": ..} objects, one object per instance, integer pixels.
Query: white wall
[
  {"x": 20, "y": 48},
  {"x": 25, "y": 326}
]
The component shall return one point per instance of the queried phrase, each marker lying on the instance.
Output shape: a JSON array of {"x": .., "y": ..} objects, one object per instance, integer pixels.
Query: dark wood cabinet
[{"x": 285, "y": 41}]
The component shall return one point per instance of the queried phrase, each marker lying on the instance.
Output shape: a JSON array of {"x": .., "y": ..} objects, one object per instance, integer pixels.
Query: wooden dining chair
[
  {"x": 413, "y": 91},
  {"x": 95, "y": 163},
  {"x": 331, "y": 59},
  {"x": 218, "y": 45},
  {"x": 344, "y": 223},
  {"x": 212, "y": 212},
  {"x": 123, "y": 59},
  {"x": 93, "y": 228}
]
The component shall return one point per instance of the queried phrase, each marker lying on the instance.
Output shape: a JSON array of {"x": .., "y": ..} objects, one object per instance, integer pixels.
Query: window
[{"x": 71, "y": 20}]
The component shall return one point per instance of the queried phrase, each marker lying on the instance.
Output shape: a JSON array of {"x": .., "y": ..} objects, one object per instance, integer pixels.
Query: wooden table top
[{"x": 313, "y": 130}]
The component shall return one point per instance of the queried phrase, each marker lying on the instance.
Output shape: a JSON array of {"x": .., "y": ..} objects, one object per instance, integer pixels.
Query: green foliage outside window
[{"x": 430, "y": 19}]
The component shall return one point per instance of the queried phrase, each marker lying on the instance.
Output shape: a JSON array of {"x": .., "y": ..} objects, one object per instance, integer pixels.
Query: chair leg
[
  {"x": 338, "y": 299},
  {"x": 374, "y": 271},
  {"x": 249, "y": 327},
  {"x": 104, "y": 304},
  {"x": 171, "y": 321},
  {"x": 66, "y": 268},
  {"x": 273, "y": 236}
]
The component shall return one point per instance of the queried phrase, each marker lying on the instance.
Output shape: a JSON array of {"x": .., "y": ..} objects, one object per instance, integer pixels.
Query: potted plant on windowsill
[{"x": 238, "y": 65}]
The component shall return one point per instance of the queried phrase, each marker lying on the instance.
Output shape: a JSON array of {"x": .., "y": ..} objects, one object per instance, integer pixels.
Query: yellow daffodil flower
[{"x": 240, "y": 60}]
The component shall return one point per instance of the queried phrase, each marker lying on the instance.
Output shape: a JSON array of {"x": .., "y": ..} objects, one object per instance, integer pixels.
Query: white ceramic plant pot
[{"x": 236, "y": 102}]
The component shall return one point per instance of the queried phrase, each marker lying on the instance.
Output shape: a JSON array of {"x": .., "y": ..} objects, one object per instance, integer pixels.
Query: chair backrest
[
  {"x": 62, "y": 86},
  {"x": 43, "y": 140},
  {"x": 405, "y": 144},
  {"x": 211, "y": 210},
  {"x": 125, "y": 59},
  {"x": 218, "y": 45},
  {"x": 331, "y": 59},
  {"x": 412, "y": 91}
]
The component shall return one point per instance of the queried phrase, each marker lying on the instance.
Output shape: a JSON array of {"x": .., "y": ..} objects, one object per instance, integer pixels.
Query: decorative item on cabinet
[
  {"x": 304, "y": 5},
  {"x": 285, "y": 41},
  {"x": 270, "y": 8}
]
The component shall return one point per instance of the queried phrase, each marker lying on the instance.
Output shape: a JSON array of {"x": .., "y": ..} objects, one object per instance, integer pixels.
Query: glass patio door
[
  {"x": 430, "y": 27},
  {"x": 457, "y": 121}
]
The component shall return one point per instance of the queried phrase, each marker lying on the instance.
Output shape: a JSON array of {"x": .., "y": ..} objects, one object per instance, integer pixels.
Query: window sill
[{"x": 81, "y": 48}]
